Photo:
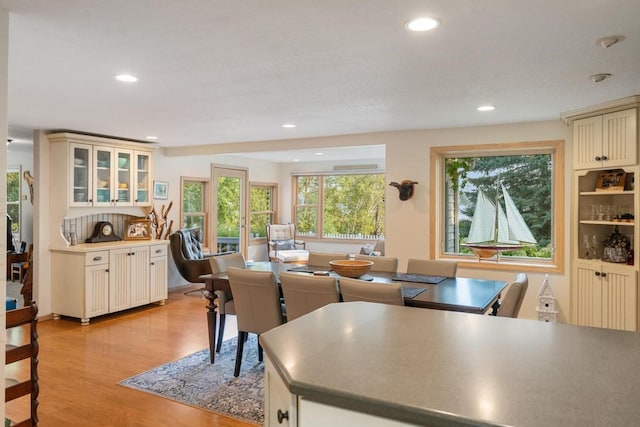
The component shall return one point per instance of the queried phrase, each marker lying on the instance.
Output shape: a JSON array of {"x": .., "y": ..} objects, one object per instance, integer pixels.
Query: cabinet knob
[
  {"x": 604, "y": 274},
  {"x": 605, "y": 158},
  {"x": 97, "y": 258},
  {"x": 282, "y": 416},
  {"x": 597, "y": 273},
  {"x": 106, "y": 269},
  {"x": 598, "y": 158}
]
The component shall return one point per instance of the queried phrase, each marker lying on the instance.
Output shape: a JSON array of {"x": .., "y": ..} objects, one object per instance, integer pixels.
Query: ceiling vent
[{"x": 354, "y": 167}]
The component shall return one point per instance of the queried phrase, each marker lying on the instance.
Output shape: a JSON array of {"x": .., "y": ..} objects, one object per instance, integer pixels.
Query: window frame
[
  {"x": 205, "y": 182},
  {"x": 438, "y": 205},
  {"x": 17, "y": 236},
  {"x": 274, "y": 209},
  {"x": 319, "y": 206}
]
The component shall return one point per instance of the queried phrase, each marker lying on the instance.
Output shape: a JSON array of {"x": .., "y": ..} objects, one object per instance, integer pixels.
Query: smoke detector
[
  {"x": 609, "y": 41},
  {"x": 597, "y": 78}
]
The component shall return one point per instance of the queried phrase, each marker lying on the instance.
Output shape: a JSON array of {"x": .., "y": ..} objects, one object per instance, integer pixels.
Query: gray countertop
[{"x": 432, "y": 367}]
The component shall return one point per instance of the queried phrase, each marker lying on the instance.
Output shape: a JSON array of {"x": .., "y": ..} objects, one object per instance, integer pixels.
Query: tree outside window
[
  {"x": 13, "y": 200},
  {"x": 194, "y": 211},
  {"x": 263, "y": 208},
  {"x": 345, "y": 206}
]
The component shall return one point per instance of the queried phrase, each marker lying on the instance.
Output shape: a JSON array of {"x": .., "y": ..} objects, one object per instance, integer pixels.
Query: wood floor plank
[{"x": 80, "y": 367}]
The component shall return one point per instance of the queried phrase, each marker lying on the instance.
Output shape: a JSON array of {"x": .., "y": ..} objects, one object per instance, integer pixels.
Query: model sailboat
[{"x": 494, "y": 229}]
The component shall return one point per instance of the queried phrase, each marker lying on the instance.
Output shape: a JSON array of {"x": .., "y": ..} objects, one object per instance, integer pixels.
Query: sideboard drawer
[
  {"x": 95, "y": 258},
  {"x": 157, "y": 250}
]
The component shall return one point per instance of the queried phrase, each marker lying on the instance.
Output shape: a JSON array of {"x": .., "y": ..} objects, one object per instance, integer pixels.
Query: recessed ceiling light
[
  {"x": 151, "y": 137},
  {"x": 486, "y": 108},
  {"x": 127, "y": 78},
  {"x": 319, "y": 154},
  {"x": 422, "y": 24},
  {"x": 609, "y": 41},
  {"x": 288, "y": 125},
  {"x": 296, "y": 160},
  {"x": 597, "y": 78}
]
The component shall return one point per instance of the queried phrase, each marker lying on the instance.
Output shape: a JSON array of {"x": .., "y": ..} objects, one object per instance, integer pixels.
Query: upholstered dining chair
[
  {"x": 361, "y": 290},
  {"x": 432, "y": 267},
  {"x": 220, "y": 264},
  {"x": 512, "y": 302},
  {"x": 257, "y": 301},
  {"x": 187, "y": 254},
  {"x": 381, "y": 263},
  {"x": 321, "y": 259},
  {"x": 304, "y": 293}
]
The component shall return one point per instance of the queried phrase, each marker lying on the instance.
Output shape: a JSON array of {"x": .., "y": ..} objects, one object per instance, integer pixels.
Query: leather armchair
[{"x": 187, "y": 254}]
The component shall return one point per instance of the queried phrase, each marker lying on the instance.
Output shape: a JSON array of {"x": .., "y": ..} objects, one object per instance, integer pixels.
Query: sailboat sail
[{"x": 494, "y": 230}]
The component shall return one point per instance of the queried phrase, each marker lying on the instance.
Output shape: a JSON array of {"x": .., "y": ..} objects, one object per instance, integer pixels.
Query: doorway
[{"x": 230, "y": 209}]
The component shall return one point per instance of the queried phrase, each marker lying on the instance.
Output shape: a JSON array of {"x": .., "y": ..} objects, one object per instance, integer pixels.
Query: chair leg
[
  {"x": 221, "y": 321},
  {"x": 241, "y": 337},
  {"x": 260, "y": 352}
]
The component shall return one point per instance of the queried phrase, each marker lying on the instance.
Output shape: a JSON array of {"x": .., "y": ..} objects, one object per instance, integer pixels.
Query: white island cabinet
[{"x": 93, "y": 279}]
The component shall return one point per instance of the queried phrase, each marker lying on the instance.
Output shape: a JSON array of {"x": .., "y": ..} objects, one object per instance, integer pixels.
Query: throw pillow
[
  {"x": 285, "y": 245},
  {"x": 366, "y": 250}
]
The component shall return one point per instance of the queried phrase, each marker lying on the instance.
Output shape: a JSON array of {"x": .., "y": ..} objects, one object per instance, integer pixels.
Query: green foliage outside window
[
  {"x": 352, "y": 206},
  {"x": 13, "y": 200},
  {"x": 193, "y": 210},
  {"x": 229, "y": 208},
  {"x": 261, "y": 209}
]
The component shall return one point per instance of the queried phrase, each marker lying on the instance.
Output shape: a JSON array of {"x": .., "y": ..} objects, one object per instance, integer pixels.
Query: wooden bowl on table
[{"x": 351, "y": 267}]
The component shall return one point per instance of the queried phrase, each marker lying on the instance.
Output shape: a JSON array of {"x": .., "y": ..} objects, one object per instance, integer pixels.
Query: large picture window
[
  {"x": 342, "y": 206},
  {"x": 499, "y": 204}
]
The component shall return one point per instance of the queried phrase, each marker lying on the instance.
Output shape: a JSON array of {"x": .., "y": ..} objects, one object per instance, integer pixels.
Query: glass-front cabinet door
[
  {"x": 142, "y": 176},
  {"x": 80, "y": 194},
  {"x": 124, "y": 175},
  {"x": 102, "y": 176}
]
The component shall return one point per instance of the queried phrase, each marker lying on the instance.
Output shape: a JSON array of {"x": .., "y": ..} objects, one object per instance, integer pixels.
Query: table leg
[{"x": 211, "y": 322}]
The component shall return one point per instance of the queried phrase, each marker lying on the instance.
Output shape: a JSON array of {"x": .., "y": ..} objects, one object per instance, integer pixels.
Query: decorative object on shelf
[
  {"x": 405, "y": 188},
  {"x": 616, "y": 248},
  {"x": 103, "y": 232},
  {"x": 546, "y": 309},
  {"x": 137, "y": 229},
  {"x": 611, "y": 180},
  {"x": 160, "y": 190},
  {"x": 159, "y": 223}
]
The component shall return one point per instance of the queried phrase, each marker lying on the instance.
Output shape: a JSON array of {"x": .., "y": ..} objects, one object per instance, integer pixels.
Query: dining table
[{"x": 462, "y": 294}]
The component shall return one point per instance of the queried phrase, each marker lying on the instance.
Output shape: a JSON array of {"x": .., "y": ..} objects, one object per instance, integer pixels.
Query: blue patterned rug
[{"x": 193, "y": 381}]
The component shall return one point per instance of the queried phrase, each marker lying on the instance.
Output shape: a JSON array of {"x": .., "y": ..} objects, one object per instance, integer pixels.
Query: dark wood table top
[{"x": 453, "y": 294}]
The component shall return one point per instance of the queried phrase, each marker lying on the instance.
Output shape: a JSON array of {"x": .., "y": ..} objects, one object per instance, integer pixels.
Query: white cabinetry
[
  {"x": 608, "y": 140},
  {"x": 102, "y": 172},
  {"x": 280, "y": 406},
  {"x": 90, "y": 280}
]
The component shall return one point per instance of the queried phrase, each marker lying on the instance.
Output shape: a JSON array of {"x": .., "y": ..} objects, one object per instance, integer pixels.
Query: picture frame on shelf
[
  {"x": 611, "y": 180},
  {"x": 137, "y": 229},
  {"x": 160, "y": 190}
]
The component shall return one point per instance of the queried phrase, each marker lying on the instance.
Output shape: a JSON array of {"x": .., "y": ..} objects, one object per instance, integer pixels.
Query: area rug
[{"x": 194, "y": 381}]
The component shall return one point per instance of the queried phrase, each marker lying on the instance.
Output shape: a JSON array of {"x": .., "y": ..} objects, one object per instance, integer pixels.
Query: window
[
  {"x": 13, "y": 201},
  {"x": 499, "y": 204},
  {"x": 194, "y": 205},
  {"x": 263, "y": 208},
  {"x": 342, "y": 206}
]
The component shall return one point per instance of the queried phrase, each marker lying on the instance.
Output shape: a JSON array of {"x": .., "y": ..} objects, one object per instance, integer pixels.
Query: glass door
[
  {"x": 102, "y": 176},
  {"x": 124, "y": 174},
  {"x": 81, "y": 175},
  {"x": 230, "y": 209},
  {"x": 143, "y": 178}
]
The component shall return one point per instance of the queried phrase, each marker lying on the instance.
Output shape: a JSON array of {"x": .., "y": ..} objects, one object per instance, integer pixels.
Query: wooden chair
[
  {"x": 220, "y": 264},
  {"x": 512, "y": 302},
  {"x": 432, "y": 267},
  {"x": 13, "y": 353},
  {"x": 304, "y": 293},
  {"x": 321, "y": 259},
  {"x": 257, "y": 300},
  {"x": 381, "y": 263},
  {"x": 361, "y": 290}
]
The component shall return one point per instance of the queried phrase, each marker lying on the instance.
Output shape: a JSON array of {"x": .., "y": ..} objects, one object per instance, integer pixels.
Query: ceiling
[{"x": 233, "y": 71}]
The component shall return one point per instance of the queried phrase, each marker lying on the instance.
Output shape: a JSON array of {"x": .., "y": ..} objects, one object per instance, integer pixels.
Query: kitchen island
[{"x": 381, "y": 365}]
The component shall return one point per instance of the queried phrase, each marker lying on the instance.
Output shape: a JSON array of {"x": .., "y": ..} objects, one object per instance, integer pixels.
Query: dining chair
[
  {"x": 361, "y": 290},
  {"x": 220, "y": 264},
  {"x": 304, "y": 293},
  {"x": 321, "y": 259},
  {"x": 512, "y": 302},
  {"x": 381, "y": 263},
  {"x": 432, "y": 267},
  {"x": 257, "y": 302}
]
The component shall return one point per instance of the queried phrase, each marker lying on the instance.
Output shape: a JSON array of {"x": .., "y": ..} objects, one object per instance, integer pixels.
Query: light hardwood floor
[{"x": 80, "y": 367}]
